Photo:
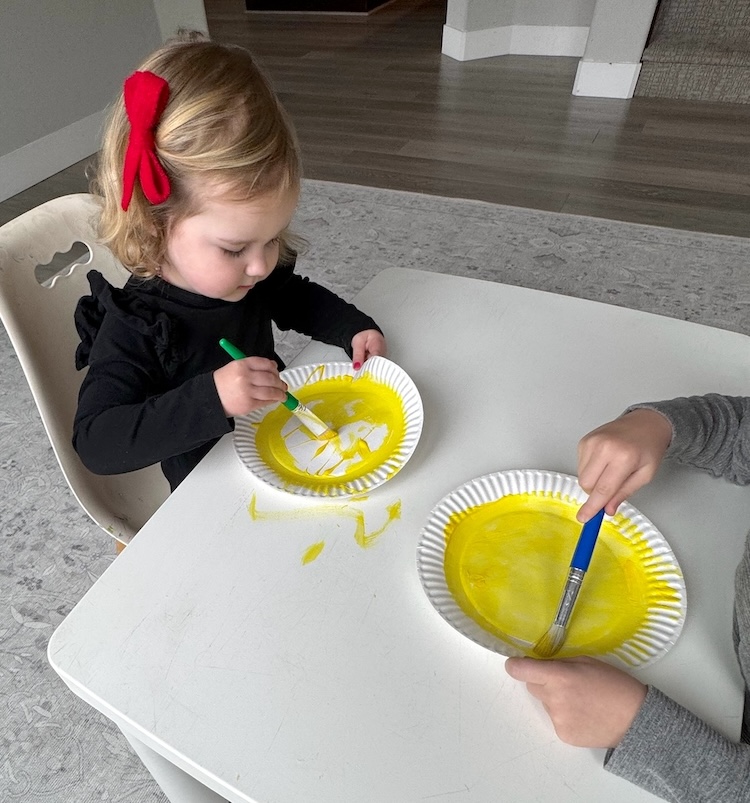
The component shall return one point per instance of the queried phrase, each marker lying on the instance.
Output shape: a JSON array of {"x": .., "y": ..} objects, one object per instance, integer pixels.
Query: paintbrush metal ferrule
[
  {"x": 569, "y": 596},
  {"x": 549, "y": 644},
  {"x": 308, "y": 419}
]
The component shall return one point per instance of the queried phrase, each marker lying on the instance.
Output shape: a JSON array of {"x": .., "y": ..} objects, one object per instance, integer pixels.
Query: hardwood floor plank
[
  {"x": 72, "y": 179},
  {"x": 391, "y": 177},
  {"x": 675, "y": 216}
]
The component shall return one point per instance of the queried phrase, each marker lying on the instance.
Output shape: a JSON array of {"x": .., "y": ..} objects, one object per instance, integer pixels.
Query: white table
[{"x": 226, "y": 660}]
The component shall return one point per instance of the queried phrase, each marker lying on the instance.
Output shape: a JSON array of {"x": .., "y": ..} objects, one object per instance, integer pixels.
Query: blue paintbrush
[{"x": 554, "y": 638}]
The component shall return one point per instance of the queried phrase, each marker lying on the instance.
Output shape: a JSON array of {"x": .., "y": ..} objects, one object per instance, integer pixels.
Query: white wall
[
  {"x": 611, "y": 61},
  {"x": 482, "y": 28},
  {"x": 609, "y": 34},
  {"x": 553, "y": 12},
  {"x": 175, "y": 14},
  {"x": 476, "y": 15},
  {"x": 61, "y": 64}
]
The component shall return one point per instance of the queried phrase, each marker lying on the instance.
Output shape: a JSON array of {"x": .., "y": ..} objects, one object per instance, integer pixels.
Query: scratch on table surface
[
  {"x": 445, "y": 794},
  {"x": 134, "y": 629},
  {"x": 516, "y": 756},
  {"x": 568, "y": 786},
  {"x": 283, "y": 720},
  {"x": 489, "y": 708}
]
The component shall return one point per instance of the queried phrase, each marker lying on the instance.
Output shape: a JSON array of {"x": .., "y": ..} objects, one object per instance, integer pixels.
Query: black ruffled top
[{"x": 151, "y": 350}]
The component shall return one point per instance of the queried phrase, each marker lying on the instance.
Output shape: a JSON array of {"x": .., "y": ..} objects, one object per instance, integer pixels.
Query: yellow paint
[
  {"x": 361, "y": 536},
  {"x": 366, "y": 540},
  {"x": 369, "y": 419},
  {"x": 506, "y": 563},
  {"x": 312, "y": 552}
]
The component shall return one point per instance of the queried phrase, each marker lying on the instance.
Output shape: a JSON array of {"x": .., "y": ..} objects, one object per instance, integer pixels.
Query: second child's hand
[
  {"x": 590, "y": 703},
  {"x": 618, "y": 458}
]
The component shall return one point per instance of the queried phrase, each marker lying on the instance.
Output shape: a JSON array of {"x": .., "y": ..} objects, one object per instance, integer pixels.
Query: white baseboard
[
  {"x": 520, "y": 40},
  {"x": 32, "y": 163},
  {"x": 605, "y": 79}
]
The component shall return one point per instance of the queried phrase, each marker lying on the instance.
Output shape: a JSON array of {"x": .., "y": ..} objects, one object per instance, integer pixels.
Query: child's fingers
[
  {"x": 605, "y": 497},
  {"x": 633, "y": 483},
  {"x": 528, "y": 670},
  {"x": 358, "y": 357},
  {"x": 244, "y": 385},
  {"x": 376, "y": 345},
  {"x": 605, "y": 483},
  {"x": 610, "y": 483},
  {"x": 618, "y": 458},
  {"x": 368, "y": 343},
  {"x": 259, "y": 364},
  {"x": 259, "y": 390},
  {"x": 266, "y": 393},
  {"x": 262, "y": 373}
]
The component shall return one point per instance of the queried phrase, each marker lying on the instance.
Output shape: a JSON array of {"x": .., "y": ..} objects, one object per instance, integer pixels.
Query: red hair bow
[{"x": 146, "y": 97}]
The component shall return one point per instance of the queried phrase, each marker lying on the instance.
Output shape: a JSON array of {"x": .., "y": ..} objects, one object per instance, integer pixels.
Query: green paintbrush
[{"x": 307, "y": 417}]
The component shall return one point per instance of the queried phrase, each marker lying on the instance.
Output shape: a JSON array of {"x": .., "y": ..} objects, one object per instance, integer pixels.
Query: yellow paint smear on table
[
  {"x": 369, "y": 419},
  {"x": 312, "y": 552},
  {"x": 506, "y": 563},
  {"x": 361, "y": 536},
  {"x": 365, "y": 539}
]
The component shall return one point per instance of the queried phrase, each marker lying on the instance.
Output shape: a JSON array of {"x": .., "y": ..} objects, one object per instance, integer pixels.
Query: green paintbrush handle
[{"x": 232, "y": 350}]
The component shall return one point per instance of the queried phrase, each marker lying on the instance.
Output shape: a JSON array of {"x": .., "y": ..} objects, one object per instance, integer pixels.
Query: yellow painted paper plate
[
  {"x": 378, "y": 417},
  {"x": 494, "y": 556}
]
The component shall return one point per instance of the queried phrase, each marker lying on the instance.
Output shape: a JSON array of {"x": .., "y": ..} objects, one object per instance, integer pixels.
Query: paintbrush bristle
[{"x": 549, "y": 644}]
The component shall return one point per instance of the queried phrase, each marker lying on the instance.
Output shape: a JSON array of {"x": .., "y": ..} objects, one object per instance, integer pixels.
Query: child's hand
[
  {"x": 367, "y": 343},
  {"x": 245, "y": 385},
  {"x": 617, "y": 459},
  {"x": 590, "y": 703}
]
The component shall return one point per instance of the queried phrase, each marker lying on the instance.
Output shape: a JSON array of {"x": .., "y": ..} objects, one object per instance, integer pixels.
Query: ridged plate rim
[
  {"x": 662, "y": 625},
  {"x": 378, "y": 368}
]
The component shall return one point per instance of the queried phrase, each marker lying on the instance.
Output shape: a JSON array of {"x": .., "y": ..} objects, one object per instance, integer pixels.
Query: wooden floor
[{"x": 375, "y": 103}]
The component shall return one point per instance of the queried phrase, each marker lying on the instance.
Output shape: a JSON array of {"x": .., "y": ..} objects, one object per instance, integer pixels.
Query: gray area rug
[{"x": 55, "y": 748}]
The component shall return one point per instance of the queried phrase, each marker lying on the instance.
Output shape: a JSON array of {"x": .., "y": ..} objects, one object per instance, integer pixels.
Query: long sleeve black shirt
[{"x": 151, "y": 350}]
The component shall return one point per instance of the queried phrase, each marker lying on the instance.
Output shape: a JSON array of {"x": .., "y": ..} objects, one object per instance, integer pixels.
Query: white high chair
[{"x": 37, "y": 312}]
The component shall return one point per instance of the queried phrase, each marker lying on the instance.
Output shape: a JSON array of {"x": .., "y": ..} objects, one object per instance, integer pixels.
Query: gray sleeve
[
  {"x": 711, "y": 433},
  {"x": 668, "y": 750},
  {"x": 673, "y": 754}
]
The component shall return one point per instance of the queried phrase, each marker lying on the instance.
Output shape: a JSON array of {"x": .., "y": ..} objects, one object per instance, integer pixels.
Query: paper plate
[
  {"x": 378, "y": 417},
  {"x": 494, "y": 556}
]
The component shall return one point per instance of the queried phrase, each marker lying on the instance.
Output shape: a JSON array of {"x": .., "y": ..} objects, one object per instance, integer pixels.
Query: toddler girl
[{"x": 199, "y": 177}]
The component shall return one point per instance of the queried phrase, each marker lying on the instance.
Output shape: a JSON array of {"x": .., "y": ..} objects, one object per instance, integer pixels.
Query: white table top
[{"x": 273, "y": 680}]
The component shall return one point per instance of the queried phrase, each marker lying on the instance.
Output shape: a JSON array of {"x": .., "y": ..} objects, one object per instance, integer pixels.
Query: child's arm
[
  {"x": 590, "y": 703},
  {"x": 125, "y": 420},
  {"x": 128, "y": 417},
  {"x": 711, "y": 433},
  {"x": 665, "y": 748},
  {"x": 300, "y": 304},
  {"x": 658, "y": 745}
]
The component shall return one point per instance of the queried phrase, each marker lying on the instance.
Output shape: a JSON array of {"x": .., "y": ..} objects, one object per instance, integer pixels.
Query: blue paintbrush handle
[{"x": 586, "y": 542}]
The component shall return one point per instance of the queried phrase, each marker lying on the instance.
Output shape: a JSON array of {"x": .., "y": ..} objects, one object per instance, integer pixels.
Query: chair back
[{"x": 45, "y": 254}]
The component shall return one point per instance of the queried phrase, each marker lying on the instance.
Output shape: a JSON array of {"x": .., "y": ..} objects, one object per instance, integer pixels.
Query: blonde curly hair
[{"x": 223, "y": 130}]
